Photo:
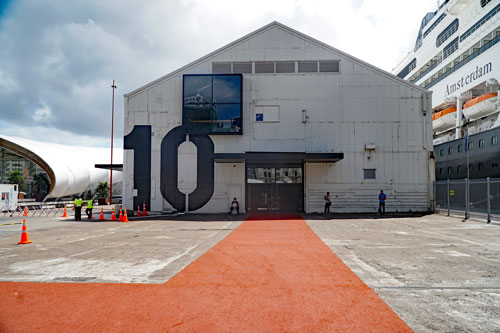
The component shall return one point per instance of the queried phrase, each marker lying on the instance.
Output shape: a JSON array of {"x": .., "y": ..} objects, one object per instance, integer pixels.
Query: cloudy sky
[{"x": 58, "y": 57}]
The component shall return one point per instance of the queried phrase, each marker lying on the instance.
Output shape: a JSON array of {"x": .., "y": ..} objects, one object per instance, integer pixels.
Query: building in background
[
  {"x": 276, "y": 119},
  {"x": 68, "y": 170}
]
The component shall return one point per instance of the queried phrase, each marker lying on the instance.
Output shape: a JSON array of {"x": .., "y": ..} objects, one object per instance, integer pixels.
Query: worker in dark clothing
[
  {"x": 78, "y": 208},
  {"x": 381, "y": 202}
]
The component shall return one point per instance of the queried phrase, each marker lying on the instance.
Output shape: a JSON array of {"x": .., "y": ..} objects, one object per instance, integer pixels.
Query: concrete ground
[{"x": 437, "y": 273}]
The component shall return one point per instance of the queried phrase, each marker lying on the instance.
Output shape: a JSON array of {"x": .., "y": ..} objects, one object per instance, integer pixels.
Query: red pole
[{"x": 113, "y": 87}]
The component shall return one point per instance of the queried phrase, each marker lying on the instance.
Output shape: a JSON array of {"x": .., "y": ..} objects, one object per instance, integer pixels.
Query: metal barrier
[
  {"x": 35, "y": 209},
  {"x": 481, "y": 196}
]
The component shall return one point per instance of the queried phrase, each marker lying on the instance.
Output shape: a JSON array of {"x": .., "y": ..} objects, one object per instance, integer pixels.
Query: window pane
[
  {"x": 264, "y": 67},
  {"x": 308, "y": 66},
  {"x": 285, "y": 67},
  {"x": 227, "y": 119},
  {"x": 481, "y": 143},
  {"x": 369, "y": 173},
  {"x": 494, "y": 140},
  {"x": 441, "y": 152},
  {"x": 450, "y": 150},
  {"x": 460, "y": 148},
  {"x": 329, "y": 66},
  {"x": 227, "y": 89},
  {"x": 221, "y": 68},
  {"x": 242, "y": 67},
  {"x": 206, "y": 114},
  {"x": 260, "y": 175},
  {"x": 289, "y": 175},
  {"x": 471, "y": 145},
  {"x": 197, "y": 89}
]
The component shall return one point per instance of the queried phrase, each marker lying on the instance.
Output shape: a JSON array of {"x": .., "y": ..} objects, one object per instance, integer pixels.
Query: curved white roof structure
[{"x": 71, "y": 169}]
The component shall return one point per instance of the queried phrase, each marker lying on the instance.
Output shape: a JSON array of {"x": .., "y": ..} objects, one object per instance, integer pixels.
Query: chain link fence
[{"x": 469, "y": 196}]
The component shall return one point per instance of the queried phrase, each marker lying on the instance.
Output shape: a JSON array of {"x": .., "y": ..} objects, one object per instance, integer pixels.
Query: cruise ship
[{"x": 457, "y": 57}]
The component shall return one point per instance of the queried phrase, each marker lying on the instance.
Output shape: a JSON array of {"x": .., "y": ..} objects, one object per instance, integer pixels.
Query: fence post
[
  {"x": 488, "y": 198},
  {"x": 448, "y": 194},
  {"x": 466, "y": 198}
]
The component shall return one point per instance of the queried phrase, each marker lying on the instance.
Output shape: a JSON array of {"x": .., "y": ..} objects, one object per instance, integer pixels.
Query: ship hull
[{"x": 483, "y": 162}]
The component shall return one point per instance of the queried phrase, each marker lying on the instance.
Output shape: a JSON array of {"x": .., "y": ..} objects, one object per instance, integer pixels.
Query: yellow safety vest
[
  {"x": 78, "y": 202},
  {"x": 90, "y": 204}
]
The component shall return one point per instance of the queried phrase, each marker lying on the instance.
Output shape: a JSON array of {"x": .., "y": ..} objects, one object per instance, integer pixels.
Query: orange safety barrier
[
  {"x": 120, "y": 218},
  {"x": 138, "y": 210},
  {"x": 65, "y": 214},
  {"x": 25, "y": 238},
  {"x": 25, "y": 211},
  {"x": 113, "y": 217},
  {"x": 144, "y": 212},
  {"x": 125, "y": 217},
  {"x": 101, "y": 218}
]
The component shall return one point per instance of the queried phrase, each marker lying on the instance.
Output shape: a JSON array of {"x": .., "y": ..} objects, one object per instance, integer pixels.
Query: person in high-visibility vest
[
  {"x": 90, "y": 206},
  {"x": 78, "y": 208}
]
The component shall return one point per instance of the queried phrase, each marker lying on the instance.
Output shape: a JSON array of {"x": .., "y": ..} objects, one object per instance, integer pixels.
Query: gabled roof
[{"x": 294, "y": 32}]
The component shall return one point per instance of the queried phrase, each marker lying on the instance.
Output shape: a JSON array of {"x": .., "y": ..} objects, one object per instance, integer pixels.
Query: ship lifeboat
[
  {"x": 444, "y": 120},
  {"x": 480, "y": 106}
]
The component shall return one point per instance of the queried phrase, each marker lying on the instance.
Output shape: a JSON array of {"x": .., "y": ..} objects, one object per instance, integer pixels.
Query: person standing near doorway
[
  {"x": 328, "y": 203},
  {"x": 90, "y": 206},
  {"x": 78, "y": 208},
  {"x": 381, "y": 202}
]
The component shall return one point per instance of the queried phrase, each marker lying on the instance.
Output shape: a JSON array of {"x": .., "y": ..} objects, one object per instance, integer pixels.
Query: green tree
[
  {"x": 102, "y": 190},
  {"x": 42, "y": 182},
  {"x": 16, "y": 177}
]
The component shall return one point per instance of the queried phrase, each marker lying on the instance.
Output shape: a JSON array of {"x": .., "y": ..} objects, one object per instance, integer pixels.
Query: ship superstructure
[{"x": 457, "y": 57}]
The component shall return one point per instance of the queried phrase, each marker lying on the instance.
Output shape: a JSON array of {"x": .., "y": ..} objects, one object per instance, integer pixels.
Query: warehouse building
[{"x": 276, "y": 119}]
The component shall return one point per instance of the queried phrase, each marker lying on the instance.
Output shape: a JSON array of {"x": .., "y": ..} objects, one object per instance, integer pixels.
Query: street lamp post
[{"x": 113, "y": 87}]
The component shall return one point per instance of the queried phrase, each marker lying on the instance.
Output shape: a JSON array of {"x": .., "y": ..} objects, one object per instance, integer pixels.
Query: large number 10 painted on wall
[{"x": 140, "y": 141}]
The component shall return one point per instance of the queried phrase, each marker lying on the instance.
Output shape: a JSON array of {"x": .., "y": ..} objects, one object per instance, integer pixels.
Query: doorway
[{"x": 275, "y": 188}]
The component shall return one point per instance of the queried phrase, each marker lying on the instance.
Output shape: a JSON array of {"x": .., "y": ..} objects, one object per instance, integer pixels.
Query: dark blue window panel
[
  {"x": 197, "y": 89},
  {"x": 227, "y": 89},
  {"x": 450, "y": 48},
  {"x": 405, "y": 71},
  {"x": 227, "y": 119},
  {"x": 212, "y": 104},
  {"x": 259, "y": 117},
  {"x": 447, "y": 33}
]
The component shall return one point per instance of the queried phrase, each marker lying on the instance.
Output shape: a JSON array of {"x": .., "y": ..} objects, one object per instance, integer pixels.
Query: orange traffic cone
[
  {"x": 125, "y": 217},
  {"x": 25, "y": 238},
  {"x": 120, "y": 218},
  {"x": 25, "y": 211},
  {"x": 65, "y": 214},
  {"x": 101, "y": 218},
  {"x": 113, "y": 217},
  {"x": 144, "y": 213},
  {"x": 138, "y": 211}
]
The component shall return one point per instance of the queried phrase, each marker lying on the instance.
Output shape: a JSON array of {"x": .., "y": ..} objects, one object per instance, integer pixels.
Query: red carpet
[{"x": 268, "y": 275}]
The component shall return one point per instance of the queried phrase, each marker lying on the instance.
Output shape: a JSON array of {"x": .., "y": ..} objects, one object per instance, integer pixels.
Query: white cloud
[{"x": 42, "y": 114}]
